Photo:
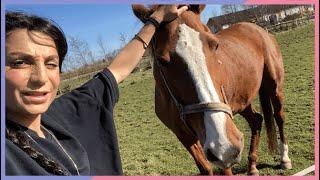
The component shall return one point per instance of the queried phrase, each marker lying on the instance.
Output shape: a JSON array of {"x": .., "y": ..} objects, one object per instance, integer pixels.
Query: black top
[{"x": 82, "y": 122}]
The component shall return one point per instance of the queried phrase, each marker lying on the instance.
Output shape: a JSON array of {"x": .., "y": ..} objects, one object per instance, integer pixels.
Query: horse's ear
[
  {"x": 141, "y": 12},
  {"x": 197, "y": 8}
]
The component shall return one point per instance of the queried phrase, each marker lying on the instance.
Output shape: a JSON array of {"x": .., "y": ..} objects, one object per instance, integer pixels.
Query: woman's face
[{"x": 32, "y": 72}]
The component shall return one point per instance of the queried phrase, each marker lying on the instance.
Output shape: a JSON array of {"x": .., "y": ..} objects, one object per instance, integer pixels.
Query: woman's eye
[
  {"x": 19, "y": 64},
  {"x": 51, "y": 65}
]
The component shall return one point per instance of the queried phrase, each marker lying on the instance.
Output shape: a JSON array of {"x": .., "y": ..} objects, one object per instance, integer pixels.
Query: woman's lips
[{"x": 36, "y": 97}]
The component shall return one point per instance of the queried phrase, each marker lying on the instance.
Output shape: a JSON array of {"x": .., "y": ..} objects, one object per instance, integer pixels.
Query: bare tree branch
[
  {"x": 123, "y": 39},
  {"x": 80, "y": 51},
  {"x": 103, "y": 48}
]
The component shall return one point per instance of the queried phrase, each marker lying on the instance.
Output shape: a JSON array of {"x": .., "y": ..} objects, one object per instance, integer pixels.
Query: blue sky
[{"x": 89, "y": 21}]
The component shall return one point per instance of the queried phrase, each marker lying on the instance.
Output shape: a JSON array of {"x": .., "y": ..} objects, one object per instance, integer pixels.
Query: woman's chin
[{"x": 35, "y": 109}]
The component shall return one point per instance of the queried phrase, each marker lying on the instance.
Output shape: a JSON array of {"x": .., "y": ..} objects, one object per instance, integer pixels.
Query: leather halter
[
  {"x": 192, "y": 108},
  {"x": 197, "y": 107}
]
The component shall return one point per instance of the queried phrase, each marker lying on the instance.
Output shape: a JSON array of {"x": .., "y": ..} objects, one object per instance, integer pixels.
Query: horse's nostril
[{"x": 211, "y": 156}]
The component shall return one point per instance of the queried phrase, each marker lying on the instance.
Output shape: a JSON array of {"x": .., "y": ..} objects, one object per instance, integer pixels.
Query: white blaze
[{"x": 189, "y": 48}]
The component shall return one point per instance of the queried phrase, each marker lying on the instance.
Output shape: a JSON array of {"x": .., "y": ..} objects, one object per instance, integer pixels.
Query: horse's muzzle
[{"x": 233, "y": 158}]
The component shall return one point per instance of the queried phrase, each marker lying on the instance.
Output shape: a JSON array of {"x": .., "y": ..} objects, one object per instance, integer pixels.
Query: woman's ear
[
  {"x": 141, "y": 12},
  {"x": 197, "y": 8}
]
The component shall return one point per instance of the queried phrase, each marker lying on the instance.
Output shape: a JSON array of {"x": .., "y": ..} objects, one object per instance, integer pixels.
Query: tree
[
  {"x": 123, "y": 39},
  {"x": 230, "y": 8},
  {"x": 244, "y": 6},
  {"x": 80, "y": 51},
  {"x": 103, "y": 47}
]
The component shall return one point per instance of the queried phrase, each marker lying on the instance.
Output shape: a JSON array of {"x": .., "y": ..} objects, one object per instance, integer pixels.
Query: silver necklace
[
  {"x": 54, "y": 137},
  {"x": 65, "y": 151}
]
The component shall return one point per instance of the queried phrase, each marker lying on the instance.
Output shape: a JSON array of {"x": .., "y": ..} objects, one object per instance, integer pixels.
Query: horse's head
[{"x": 184, "y": 47}]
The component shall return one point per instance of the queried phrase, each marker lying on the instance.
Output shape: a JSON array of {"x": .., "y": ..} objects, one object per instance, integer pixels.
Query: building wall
[{"x": 292, "y": 11}]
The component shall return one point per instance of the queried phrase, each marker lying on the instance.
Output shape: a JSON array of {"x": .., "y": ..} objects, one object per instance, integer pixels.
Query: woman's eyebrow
[
  {"x": 51, "y": 57},
  {"x": 28, "y": 56},
  {"x": 20, "y": 54}
]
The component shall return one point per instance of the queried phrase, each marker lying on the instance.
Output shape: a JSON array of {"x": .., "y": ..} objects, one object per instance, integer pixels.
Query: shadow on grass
[
  {"x": 263, "y": 166},
  {"x": 243, "y": 170}
]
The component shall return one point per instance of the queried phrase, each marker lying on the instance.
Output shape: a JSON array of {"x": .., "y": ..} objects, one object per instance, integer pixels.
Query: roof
[{"x": 248, "y": 15}]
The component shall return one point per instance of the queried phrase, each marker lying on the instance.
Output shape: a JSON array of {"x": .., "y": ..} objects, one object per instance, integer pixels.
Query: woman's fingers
[
  {"x": 173, "y": 12},
  {"x": 182, "y": 9},
  {"x": 167, "y": 13}
]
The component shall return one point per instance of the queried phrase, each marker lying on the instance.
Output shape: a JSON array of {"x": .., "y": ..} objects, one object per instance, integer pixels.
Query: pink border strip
[
  {"x": 202, "y": 177},
  {"x": 281, "y": 2}
]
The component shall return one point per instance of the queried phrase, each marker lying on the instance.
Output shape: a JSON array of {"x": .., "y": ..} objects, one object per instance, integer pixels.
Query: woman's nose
[{"x": 39, "y": 75}]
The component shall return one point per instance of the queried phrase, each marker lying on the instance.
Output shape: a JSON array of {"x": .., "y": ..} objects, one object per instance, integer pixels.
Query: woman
[{"x": 73, "y": 134}]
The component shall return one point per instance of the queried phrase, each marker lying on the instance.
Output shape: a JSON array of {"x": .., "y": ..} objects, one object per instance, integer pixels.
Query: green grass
[{"x": 147, "y": 147}]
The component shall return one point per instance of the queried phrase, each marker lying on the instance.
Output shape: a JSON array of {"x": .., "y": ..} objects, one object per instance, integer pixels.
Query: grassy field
[{"x": 149, "y": 148}]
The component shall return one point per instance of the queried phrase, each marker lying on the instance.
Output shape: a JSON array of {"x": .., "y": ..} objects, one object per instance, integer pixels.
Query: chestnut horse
[{"x": 202, "y": 79}]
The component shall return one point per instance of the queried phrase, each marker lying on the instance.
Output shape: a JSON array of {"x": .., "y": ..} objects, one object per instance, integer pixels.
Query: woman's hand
[
  {"x": 167, "y": 13},
  {"x": 130, "y": 55}
]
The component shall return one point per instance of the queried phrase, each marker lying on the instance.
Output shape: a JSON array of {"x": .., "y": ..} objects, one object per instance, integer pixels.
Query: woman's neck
[{"x": 31, "y": 122}]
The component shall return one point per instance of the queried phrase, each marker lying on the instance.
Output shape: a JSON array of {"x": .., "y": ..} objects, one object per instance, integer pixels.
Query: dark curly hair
[{"x": 20, "y": 20}]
